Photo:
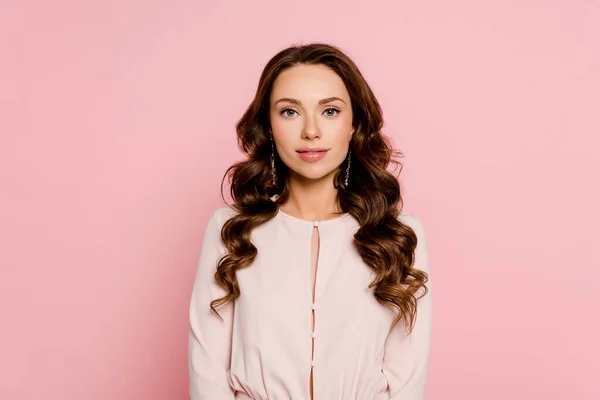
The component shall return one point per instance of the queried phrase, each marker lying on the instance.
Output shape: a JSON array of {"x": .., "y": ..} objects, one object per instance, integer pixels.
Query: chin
[{"x": 314, "y": 174}]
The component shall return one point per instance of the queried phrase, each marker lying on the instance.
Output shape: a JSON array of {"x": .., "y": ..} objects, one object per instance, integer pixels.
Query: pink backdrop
[{"x": 117, "y": 123}]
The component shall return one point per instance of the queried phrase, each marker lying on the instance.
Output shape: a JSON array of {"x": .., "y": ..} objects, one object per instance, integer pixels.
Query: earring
[
  {"x": 273, "y": 173},
  {"x": 348, "y": 168}
]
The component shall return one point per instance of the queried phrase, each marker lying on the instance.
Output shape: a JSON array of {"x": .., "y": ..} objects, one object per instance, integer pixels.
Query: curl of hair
[{"x": 372, "y": 196}]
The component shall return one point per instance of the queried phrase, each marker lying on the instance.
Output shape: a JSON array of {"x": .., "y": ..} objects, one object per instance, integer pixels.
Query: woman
[{"x": 312, "y": 285}]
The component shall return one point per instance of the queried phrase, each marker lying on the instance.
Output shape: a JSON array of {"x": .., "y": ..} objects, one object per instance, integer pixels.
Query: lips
[
  {"x": 311, "y": 150},
  {"x": 312, "y": 154}
]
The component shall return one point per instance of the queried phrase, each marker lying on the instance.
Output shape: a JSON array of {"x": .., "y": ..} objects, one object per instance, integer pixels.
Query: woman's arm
[
  {"x": 209, "y": 349},
  {"x": 406, "y": 357}
]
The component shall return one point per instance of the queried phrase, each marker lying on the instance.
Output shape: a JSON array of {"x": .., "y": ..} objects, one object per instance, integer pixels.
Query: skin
[{"x": 310, "y": 107}]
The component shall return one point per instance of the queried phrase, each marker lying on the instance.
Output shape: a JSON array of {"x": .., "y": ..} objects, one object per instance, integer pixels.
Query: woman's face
[{"x": 311, "y": 121}]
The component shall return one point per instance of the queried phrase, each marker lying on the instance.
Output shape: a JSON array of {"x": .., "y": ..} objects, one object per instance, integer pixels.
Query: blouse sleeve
[
  {"x": 406, "y": 357},
  {"x": 209, "y": 346}
]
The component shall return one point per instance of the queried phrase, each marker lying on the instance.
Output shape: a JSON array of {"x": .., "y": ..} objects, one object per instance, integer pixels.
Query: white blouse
[{"x": 263, "y": 348}]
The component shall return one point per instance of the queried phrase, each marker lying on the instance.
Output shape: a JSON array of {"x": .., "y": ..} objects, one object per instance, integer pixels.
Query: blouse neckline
[
  {"x": 340, "y": 217},
  {"x": 315, "y": 223}
]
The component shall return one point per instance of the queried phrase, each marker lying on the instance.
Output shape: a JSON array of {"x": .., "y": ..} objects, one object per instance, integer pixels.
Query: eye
[
  {"x": 287, "y": 112},
  {"x": 331, "y": 112}
]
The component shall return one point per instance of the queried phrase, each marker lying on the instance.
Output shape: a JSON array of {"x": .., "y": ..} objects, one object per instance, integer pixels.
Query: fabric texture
[{"x": 262, "y": 348}]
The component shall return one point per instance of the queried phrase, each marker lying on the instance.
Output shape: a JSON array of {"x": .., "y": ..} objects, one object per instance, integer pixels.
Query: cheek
[
  {"x": 341, "y": 140},
  {"x": 286, "y": 134},
  {"x": 280, "y": 127},
  {"x": 341, "y": 133},
  {"x": 284, "y": 142},
  {"x": 283, "y": 130}
]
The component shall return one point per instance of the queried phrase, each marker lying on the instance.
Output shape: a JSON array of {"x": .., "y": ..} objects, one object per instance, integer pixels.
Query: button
[
  {"x": 313, "y": 363},
  {"x": 313, "y": 306},
  {"x": 316, "y": 224},
  {"x": 314, "y": 335}
]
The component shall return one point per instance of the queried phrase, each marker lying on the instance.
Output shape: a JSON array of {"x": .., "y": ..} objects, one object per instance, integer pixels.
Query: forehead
[{"x": 309, "y": 83}]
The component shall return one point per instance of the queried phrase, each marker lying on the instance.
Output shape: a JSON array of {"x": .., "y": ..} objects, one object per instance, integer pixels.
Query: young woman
[{"x": 312, "y": 285}]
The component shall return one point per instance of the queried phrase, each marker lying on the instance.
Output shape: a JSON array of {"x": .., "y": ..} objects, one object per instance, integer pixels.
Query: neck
[{"x": 312, "y": 200}]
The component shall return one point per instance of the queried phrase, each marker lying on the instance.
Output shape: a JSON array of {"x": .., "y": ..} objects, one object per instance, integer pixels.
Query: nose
[{"x": 311, "y": 130}]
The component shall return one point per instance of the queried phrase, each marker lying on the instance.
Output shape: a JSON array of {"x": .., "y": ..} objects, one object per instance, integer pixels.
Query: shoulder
[
  {"x": 412, "y": 221},
  {"x": 214, "y": 224},
  {"x": 221, "y": 215}
]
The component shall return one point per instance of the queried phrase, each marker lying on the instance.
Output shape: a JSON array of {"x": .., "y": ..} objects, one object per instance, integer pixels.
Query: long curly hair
[{"x": 372, "y": 195}]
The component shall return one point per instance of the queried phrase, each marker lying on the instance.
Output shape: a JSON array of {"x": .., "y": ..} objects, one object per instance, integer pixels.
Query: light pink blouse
[{"x": 263, "y": 348}]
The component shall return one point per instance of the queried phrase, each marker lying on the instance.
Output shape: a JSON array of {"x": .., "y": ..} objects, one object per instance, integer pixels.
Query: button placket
[
  {"x": 313, "y": 307},
  {"x": 314, "y": 360},
  {"x": 313, "y": 335}
]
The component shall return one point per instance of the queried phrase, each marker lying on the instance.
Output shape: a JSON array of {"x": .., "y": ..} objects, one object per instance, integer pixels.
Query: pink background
[{"x": 116, "y": 122}]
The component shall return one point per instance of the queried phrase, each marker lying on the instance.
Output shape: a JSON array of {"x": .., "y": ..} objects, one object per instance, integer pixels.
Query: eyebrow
[{"x": 297, "y": 102}]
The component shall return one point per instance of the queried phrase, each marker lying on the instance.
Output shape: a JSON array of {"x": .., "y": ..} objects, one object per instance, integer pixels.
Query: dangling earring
[
  {"x": 348, "y": 168},
  {"x": 273, "y": 173}
]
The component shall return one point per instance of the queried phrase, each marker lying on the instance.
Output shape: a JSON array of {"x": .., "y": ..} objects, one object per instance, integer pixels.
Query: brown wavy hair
[{"x": 372, "y": 196}]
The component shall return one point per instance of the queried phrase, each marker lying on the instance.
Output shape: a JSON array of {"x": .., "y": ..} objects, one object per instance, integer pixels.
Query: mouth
[
  {"x": 312, "y": 150},
  {"x": 312, "y": 154}
]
